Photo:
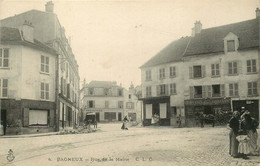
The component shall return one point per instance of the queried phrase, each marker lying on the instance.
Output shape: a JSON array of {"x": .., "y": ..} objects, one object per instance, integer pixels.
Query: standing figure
[
  {"x": 125, "y": 120},
  {"x": 179, "y": 120},
  {"x": 201, "y": 117},
  {"x": 233, "y": 142},
  {"x": 95, "y": 123}
]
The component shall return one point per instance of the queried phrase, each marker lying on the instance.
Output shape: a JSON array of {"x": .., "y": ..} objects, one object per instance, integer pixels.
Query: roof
[
  {"x": 209, "y": 40},
  {"x": 13, "y": 36},
  {"x": 171, "y": 53},
  {"x": 102, "y": 84}
]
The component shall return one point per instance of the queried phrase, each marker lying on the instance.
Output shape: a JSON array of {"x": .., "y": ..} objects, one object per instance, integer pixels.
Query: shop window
[
  {"x": 216, "y": 91},
  {"x": 197, "y": 91},
  {"x": 38, "y": 117}
]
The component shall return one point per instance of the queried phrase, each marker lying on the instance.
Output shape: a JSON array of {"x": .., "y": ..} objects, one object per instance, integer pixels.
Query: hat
[{"x": 242, "y": 108}]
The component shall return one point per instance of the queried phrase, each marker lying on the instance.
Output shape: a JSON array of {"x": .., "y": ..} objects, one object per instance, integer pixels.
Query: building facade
[
  {"x": 27, "y": 84},
  {"x": 48, "y": 30},
  {"x": 109, "y": 101},
  {"x": 214, "y": 71}
]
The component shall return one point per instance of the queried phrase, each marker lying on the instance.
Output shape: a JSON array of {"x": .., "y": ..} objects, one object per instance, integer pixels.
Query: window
[
  {"x": 38, "y": 117},
  {"x": 132, "y": 116},
  {"x": 173, "y": 88},
  {"x": 216, "y": 91},
  {"x": 129, "y": 96},
  {"x": 162, "y": 73},
  {"x": 3, "y": 87},
  {"x": 197, "y": 72},
  {"x": 251, "y": 66},
  {"x": 44, "y": 91},
  {"x": 4, "y": 57},
  {"x": 148, "y": 91},
  {"x": 44, "y": 64},
  {"x": 148, "y": 75},
  {"x": 162, "y": 89},
  {"x": 214, "y": 70},
  {"x": 233, "y": 89},
  {"x": 106, "y": 91},
  {"x": 91, "y": 104},
  {"x": 197, "y": 91},
  {"x": 252, "y": 88},
  {"x": 172, "y": 72},
  {"x": 120, "y": 104},
  {"x": 130, "y": 105},
  {"x": 120, "y": 92},
  {"x": 91, "y": 91},
  {"x": 231, "y": 45},
  {"x": 232, "y": 68}
]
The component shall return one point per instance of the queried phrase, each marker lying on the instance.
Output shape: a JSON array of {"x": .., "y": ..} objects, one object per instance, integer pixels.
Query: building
[
  {"x": 215, "y": 70},
  {"x": 109, "y": 101},
  {"x": 48, "y": 30},
  {"x": 28, "y": 83}
]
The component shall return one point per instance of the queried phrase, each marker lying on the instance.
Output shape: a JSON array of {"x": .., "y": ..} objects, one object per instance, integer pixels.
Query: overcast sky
[{"x": 111, "y": 39}]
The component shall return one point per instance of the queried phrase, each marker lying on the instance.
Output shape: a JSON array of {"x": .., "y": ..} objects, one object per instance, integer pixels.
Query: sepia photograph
[{"x": 129, "y": 82}]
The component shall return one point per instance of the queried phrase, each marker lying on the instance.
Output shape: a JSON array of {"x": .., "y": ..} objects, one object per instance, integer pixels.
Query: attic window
[{"x": 231, "y": 45}]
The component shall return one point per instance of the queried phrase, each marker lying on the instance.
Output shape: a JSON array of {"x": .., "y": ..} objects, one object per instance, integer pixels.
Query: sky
[{"x": 111, "y": 39}]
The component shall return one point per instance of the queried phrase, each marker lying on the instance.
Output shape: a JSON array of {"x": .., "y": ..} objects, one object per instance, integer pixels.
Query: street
[{"x": 137, "y": 146}]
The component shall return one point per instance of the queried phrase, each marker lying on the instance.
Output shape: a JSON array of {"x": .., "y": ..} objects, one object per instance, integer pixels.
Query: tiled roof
[
  {"x": 209, "y": 40},
  {"x": 13, "y": 36},
  {"x": 102, "y": 84},
  {"x": 171, "y": 53}
]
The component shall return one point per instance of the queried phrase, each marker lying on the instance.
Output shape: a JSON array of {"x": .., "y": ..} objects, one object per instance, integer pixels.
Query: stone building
[
  {"x": 109, "y": 101},
  {"x": 48, "y": 30},
  {"x": 215, "y": 70},
  {"x": 28, "y": 83}
]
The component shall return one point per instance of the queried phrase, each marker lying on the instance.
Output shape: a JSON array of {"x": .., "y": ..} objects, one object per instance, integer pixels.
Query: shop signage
[{"x": 196, "y": 102}]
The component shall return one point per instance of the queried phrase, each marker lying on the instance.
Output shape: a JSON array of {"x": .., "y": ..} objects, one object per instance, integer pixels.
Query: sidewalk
[{"x": 29, "y": 135}]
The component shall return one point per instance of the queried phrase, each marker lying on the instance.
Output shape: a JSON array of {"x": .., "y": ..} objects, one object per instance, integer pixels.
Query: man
[{"x": 179, "y": 120}]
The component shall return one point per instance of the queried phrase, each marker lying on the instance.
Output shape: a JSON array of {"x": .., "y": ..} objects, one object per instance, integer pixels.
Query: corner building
[{"x": 215, "y": 70}]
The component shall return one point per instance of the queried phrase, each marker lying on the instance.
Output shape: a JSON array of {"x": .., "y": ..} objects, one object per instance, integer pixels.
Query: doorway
[
  {"x": 97, "y": 116},
  {"x": 119, "y": 116},
  {"x": 3, "y": 120}
]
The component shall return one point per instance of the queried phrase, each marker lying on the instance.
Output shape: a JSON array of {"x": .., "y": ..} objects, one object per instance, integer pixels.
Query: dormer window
[{"x": 231, "y": 43}]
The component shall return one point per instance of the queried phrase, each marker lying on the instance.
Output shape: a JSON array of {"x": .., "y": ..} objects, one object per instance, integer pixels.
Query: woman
[
  {"x": 124, "y": 123},
  {"x": 250, "y": 125},
  {"x": 234, "y": 125}
]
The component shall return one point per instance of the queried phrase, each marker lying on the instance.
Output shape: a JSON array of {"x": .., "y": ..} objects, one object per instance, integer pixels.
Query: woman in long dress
[{"x": 234, "y": 125}]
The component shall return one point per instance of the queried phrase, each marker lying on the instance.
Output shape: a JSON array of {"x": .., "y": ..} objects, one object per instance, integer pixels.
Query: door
[
  {"x": 3, "y": 119},
  {"x": 119, "y": 116}
]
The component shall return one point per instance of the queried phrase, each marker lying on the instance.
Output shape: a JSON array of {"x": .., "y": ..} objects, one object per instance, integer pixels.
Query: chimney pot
[
  {"x": 49, "y": 6},
  {"x": 257, "y": 12},
  {"x": 197, "y": 28}
]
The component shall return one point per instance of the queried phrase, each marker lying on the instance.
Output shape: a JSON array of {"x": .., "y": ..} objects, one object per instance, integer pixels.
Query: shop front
[
  {"x": 156, "y": 107},
  {"x": 220, "y": 108}
]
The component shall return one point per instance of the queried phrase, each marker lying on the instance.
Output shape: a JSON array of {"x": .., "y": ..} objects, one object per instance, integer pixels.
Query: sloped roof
[
  {"x": 102, "y": 84},
  {"x": 171, "y": 53},
  {"x": 209, "y": 40},
  {"x": 13, "y": 36}
]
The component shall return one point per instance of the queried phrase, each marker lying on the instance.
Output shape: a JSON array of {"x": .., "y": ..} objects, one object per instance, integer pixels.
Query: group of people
[{"x": 243, "y": 135}]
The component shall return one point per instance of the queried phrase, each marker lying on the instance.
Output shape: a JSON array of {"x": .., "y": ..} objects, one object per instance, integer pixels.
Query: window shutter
[
  {"x": 222, "y": 90},
  {"x": 166, "y": 89},
  {"x": 239, "y": 67},
  {"x": 204, "y": 91},
  {"x": 209, "y": 91},
  {"x": 158, "y": 89},
  {"x": 226, "y": 68},
  {"x": 175, "y": 69},
  {"x": 93, "y": 103},
  {"x": 203, "y": 71},
  {"x": 236, "y": 89},
  {"x": 191, "y": 92},
  {"x": 191, "y": 72},
  {"x": 26, "y": 117}
]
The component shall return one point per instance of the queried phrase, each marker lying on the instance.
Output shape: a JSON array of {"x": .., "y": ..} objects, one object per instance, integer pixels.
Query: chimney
[
  {"x": 27, "y": 31},
  {"x": 257, "y": 13},
  {"x": 49, "y": 7},
  {"x": 197, "y": 28}
]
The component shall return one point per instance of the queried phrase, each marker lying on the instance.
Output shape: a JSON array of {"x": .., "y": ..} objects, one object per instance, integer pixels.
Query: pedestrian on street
[
  {"x": 201, "y": 120},
  {"x": 125, "y": 120},
  {"x": 233, "y": 142},
  {"x": 179, "y": 121},
  {"x": 95, "y": 123}
]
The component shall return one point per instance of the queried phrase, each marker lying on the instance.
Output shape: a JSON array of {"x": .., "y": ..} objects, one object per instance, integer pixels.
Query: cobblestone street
[{"x": 137, "y": 146}]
